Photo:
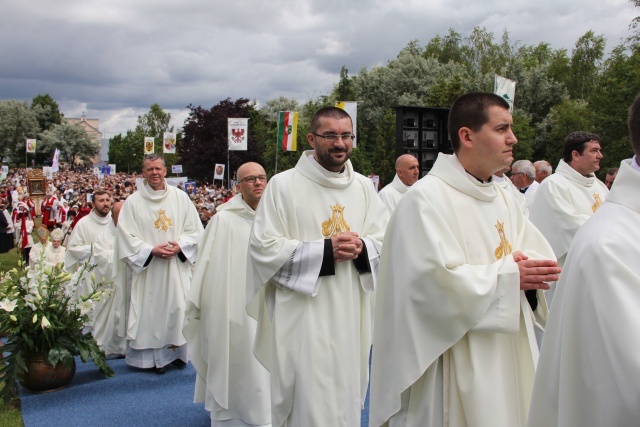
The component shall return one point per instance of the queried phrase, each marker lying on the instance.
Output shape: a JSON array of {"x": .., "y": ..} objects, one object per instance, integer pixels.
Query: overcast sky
[{"x": 113, "y": 59}]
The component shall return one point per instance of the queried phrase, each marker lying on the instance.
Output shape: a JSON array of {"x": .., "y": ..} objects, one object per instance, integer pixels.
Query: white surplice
[
  {"x": 314, "y": 340},
  {"x": 454, "y": 342},
  {"x": 392, "y": 193},
  {"x": 158, "y": 291},
  {"x": 108, "y": 329},
  {"x": 54, "y": 256},
  {"x": 563, "y": 202},
  {"x": 589, "y": 364},
  {"x": 505, "y": 183},
  {"x": 220, "y": 333}
]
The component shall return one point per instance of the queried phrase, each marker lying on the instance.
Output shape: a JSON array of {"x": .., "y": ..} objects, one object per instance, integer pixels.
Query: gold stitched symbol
[
  {"x": 163, "y": 222},
  {"x": 505, "y": 247},
  {"x": 598, "y": 202},
  {"x": 336, "y": 224}
]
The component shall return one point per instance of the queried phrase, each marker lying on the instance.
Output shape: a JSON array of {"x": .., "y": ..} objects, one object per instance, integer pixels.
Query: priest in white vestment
[
  {"x": 54, "y": 254},
  {"x": 588, "y": 369},
  {"x": 37, "y": 250},
  {"x": 407, "y": 173},
  {"x": 231, "y": 382},
  {"x": 569, "y": 197},
  {"x": 108, "y": 328},
  {"x": 313, "y": 254},
  {"x": 158, "y": 233},
  {"x": 523, "y": 176},
  {"x": 84, "y": 235},
  {"x": 454, "y": 341}
]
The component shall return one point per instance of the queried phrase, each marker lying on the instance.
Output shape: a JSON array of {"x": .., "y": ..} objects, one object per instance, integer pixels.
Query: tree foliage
[
  {"x": 17, "y": 123},
  {"x": 47, "y": 111},
  {"x": 205, "y": 140},
  {"x": 72, "y": 140}
]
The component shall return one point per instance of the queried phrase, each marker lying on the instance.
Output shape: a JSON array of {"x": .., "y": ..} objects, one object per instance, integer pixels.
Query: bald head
[
  {"x": 407, "y": 169},
  {"x": 115, "y": 211},
  {"x": 252, "y": 179}
]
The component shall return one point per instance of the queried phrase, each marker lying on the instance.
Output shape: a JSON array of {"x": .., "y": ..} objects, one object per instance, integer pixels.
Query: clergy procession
[{"x": 303, "y": 295}]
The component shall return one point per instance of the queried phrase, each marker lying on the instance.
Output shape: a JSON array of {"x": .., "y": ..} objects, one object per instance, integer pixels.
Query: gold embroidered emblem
[
  {"x": 336, "y": 224},
  {"x": 598, "y": 202},
  {"x": 505, "y": 247},
  {"x": 163, "y": 222}
]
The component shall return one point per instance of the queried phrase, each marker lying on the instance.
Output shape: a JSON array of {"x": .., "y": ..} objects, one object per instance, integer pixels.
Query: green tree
[
  {"x": 526, "y": 134},
  {"x": 384, "y": 153},
  {"x": 47, "y": 111},
  {"x": 73, "y": 142},
  {"x": 285, "y": 159},
  {"x": 585, "y": 64},
  {"x": 17, "y": 123},
  {"x": 126, "y": 151},
  {"x": 155, "y": 123},
  {"x": 205, "y": 140}
]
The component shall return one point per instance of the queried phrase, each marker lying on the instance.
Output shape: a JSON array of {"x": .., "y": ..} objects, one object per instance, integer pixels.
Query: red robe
[{"x": 48, "y": 219}]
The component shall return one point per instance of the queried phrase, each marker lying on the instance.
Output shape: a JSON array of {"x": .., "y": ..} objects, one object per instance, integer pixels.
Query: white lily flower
[
  {"x": 8, "y": 305},
  {"x": 35, "y": 318},
  {"x": 45, "y": 322}
]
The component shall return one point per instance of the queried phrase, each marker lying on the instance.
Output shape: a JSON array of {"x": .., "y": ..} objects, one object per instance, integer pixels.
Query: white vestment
[
  {"x": 589, "y": 365},
  {"x": 37, "y": 252},
  {"x": 230, "y": 380},
  {"x": 530, "y": 193},
  {"x": 392, "y": 193},
  {"x": 314, "y": 340},
  {"x": 109, "y": 323},
  {"x": 454, "y": 343},
  {"x": 54, "y": 256},
  {"x": 82, "y": 237},
  {"x": 505, "y": 183},
  {"x": 158, "y": 289},
  {"x": 564, "y": 201}
]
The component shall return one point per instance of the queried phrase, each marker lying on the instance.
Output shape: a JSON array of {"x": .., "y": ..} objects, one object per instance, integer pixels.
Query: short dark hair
[
  {"x": 100, "y": 192},
  {"x": 577, "y": 141},
  {"x": 470, "y": 110},
  {"x": 331, "y": 112},
  {"x": 634, "y": 125},
  {"x": 152, "y": 158}
]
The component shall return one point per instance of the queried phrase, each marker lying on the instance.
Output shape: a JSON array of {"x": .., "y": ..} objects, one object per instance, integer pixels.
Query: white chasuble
[
  {"x": 316, "y": 347},
  {"x": 230, "y": 381},
  {"x": 589, "y": 365},
  {"x": 108, "y": 328},
  {"x": 392, "y": 193},
  {"x": 158, "y": 291},
  {"x": 454, "y": 343}
]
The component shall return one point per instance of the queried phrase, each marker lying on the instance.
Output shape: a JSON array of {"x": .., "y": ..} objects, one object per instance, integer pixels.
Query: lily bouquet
[{"x": 41, "y": 313}]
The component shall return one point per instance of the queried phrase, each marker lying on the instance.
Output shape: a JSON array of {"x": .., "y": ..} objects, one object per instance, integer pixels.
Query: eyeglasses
[
  {"x": 332, "y": 137},
  {"x": 252, "y": 179}
]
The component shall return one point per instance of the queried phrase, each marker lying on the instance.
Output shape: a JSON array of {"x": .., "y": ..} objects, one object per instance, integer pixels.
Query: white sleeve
[
  {"x": 301, "y": 271},
  {"x": 137, "y": 260}
]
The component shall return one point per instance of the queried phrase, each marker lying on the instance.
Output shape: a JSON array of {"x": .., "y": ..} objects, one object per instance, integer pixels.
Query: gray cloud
[{"x": 112, "y": 60}]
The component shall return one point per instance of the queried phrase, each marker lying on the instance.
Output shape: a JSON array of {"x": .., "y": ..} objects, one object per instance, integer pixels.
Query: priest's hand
[
  {"x": 346, "y": 246},
  {"x": 165, "y": 250},
  {"x": 535, "y": 273}
]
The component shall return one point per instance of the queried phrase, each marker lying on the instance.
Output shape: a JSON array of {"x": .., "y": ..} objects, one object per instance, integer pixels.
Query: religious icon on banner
[
  {"x": 219, "y": 171},
  {"x": 31, "y": 145},
  {"x": 169, "y": 142},
  {"x": 148, "y": 145}
]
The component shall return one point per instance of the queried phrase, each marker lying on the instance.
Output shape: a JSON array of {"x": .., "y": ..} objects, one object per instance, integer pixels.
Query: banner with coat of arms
[
  {"x": 148, "y": 145},
  {"x": 238, "y": 133},
  {"x": 287, "y": 130}
]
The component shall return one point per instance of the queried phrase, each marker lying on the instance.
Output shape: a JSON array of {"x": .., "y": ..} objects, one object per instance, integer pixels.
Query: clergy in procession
[
  {"x": 588, "y": 368},
  {"x": 523, "y": 176},
  {"x": 407, "y": 173},
  {"x": 84, "y": 235},
  {"x": 454, "y": 339},
  {"x": 108, "y": 328},
  {"x": 55, "y": 253},
  {"x": 158, "y": 233},
  {"x": 313, "y": 254},
  {"x": 48, "y": 209},
  {"x": 37, "y": 250},
  {"x": 231, "y": 382},
  {"x": 569, "y": 197},
  {"x": 503, "y": 181}
]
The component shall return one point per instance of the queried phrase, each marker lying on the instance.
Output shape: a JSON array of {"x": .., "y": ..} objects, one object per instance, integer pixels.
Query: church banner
[
  {"x": 351, "y": 107},
  {"x": 505, "y": 88},
  {"x": 287, "y": 130},
  {"x": 148, "y": 145},
  {"x": 219, "y": 171},
  {"x": 169, "y": 143},
  {"x": 31, "y": 145},
  {"x": 238, "y": 134}
]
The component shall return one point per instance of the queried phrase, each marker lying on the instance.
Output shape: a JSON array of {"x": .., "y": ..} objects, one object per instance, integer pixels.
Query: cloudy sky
[{"x": 113, "y": 59}]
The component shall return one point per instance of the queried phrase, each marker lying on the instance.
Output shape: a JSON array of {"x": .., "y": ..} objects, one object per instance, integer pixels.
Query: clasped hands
[
  {"x": 535, "y": 273},
  {"x": 347, "y": 246},
  {"x": 166, "y": 250}
]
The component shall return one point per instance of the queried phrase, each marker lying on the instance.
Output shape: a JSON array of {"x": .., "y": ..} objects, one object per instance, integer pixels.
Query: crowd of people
[{"x": 275, "y": 301}]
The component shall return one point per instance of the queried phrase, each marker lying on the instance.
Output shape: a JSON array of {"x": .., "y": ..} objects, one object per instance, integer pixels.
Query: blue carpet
[{"x": 130, "y": 398}]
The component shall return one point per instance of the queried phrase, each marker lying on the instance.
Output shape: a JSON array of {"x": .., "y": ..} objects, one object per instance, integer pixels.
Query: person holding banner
[{"x": 314, "y": 249}]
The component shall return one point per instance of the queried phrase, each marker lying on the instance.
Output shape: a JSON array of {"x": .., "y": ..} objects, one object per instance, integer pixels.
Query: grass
[{"x": 11, "y": 415}]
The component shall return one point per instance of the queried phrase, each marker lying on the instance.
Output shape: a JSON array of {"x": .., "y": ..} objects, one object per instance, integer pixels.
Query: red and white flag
[{"x": 238, "y": 133}]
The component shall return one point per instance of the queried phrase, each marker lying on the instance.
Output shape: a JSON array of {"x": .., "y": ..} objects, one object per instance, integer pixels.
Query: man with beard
[
  {"x": 407, "y": 173},
  {"x": 314, "y": 252}
]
